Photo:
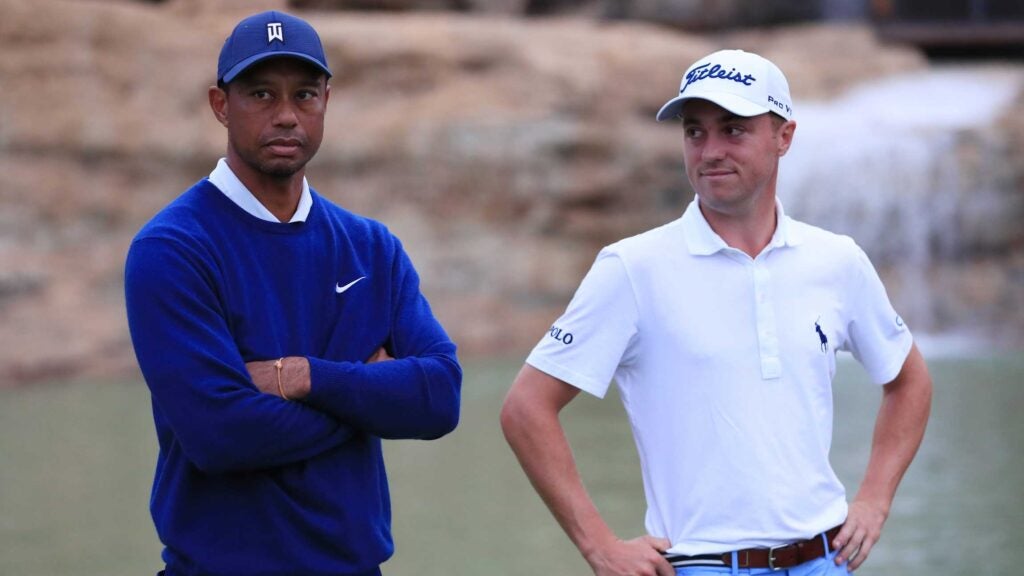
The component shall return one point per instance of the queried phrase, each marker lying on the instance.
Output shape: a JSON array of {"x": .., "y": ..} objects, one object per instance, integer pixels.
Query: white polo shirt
[{"x": 725, "y": 364}]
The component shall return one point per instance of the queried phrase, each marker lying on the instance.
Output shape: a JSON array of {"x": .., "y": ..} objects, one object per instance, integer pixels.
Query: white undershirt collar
[{"x": 225, "y": 180}]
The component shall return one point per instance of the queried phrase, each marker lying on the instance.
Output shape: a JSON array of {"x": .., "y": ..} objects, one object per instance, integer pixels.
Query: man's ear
[
  {"x": 219, "y": 104},
  {"x": 786, "y": 132}
]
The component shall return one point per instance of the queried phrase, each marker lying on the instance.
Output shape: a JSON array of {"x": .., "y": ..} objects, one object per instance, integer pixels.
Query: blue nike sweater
[{"x": 247, "y": 483}]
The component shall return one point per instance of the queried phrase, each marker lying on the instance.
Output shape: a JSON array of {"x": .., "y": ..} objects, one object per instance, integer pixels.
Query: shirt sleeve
[
  {"x": 879, "y": 339},
  {"x": 417, "y": 395},
  {"x": 596, "y": 334},
  {"x": 197, "y": 376}
]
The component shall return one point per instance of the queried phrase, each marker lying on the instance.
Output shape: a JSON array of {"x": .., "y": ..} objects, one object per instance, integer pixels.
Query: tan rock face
[{"x": 504, "y": 153}]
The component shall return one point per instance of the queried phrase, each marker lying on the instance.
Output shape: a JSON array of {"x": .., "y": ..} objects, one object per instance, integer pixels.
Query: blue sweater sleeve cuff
[{"x": 414, "y": 397}]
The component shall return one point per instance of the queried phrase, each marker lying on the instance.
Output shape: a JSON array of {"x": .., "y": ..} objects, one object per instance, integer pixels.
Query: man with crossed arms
[
  {"x": 282, "y": 338},
  {"x": 721, "y": 330}
]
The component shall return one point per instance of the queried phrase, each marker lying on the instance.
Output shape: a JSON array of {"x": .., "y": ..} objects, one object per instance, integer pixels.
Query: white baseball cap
[{"x": 741, "y": 82}]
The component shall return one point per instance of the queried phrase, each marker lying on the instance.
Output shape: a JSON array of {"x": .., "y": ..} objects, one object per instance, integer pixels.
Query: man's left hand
[{"x": 862, "y": 529}]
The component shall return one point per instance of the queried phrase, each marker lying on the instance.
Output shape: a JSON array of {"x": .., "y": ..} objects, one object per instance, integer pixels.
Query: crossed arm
[
  {"x": 203, "y": 393},
  {"x": 529, "y": 419},
  {"x": 293, "y": 378},
  {"x": 415, "y": 396}
]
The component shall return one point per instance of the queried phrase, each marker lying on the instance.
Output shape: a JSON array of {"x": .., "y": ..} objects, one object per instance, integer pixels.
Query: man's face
[
  {"x": 731, "y": 160},
  {"x": 274, "y": 113}
]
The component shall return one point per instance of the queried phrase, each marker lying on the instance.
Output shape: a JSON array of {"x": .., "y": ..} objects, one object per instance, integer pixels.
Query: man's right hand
[{"x": 637, "y": 557}]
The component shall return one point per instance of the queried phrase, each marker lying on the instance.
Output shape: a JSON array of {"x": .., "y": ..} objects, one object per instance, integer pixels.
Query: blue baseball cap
[{"x": 269, "y": 35}]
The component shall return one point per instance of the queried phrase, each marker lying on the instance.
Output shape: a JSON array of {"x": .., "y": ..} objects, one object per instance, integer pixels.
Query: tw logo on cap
[{"x": 275, "y": 31}]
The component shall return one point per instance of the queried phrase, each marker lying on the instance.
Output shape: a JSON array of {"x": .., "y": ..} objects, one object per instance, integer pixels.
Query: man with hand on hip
[
  {"x": 281, "y": 336},
  {"x": 721, "y": 330}
]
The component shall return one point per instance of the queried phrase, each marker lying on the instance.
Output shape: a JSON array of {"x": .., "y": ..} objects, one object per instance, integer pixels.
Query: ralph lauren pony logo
[
  {"x": 716, "y": 71},
  {"x": 821, "y": 336}
]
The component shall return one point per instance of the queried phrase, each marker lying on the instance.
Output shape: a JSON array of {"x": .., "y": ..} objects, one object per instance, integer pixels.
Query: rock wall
[{"x": 503, "y": 152}]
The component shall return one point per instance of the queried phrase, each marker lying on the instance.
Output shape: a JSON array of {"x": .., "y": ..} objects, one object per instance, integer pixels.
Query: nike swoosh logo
[{"x": 339, "y": 288}]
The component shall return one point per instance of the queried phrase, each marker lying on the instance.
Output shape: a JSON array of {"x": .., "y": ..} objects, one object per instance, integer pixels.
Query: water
[
  {"x": 77, "y": 464},
  {"x": 913, "y": 167}
]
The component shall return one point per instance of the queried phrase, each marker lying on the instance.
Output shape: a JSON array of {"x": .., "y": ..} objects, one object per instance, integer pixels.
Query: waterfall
[{"x": 911, "y": 168}]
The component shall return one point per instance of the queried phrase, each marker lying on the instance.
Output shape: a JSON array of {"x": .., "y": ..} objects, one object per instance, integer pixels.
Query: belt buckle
[{"x": 771, "y": 556}]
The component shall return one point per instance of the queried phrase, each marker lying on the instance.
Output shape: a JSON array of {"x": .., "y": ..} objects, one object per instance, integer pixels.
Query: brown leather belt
[{"x": 776, "y": 558}]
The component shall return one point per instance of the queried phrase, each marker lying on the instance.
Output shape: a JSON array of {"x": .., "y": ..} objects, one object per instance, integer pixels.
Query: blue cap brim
[{"x": 244, "y": 64}]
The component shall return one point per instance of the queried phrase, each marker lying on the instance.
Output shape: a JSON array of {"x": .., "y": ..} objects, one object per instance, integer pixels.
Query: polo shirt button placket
[{"x": 767, "y": 332}]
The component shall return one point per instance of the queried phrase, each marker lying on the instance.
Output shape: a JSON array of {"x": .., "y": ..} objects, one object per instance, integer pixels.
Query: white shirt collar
[
  {"x": 225, "y": 180},
  {"x": 701, "y": 240}
]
